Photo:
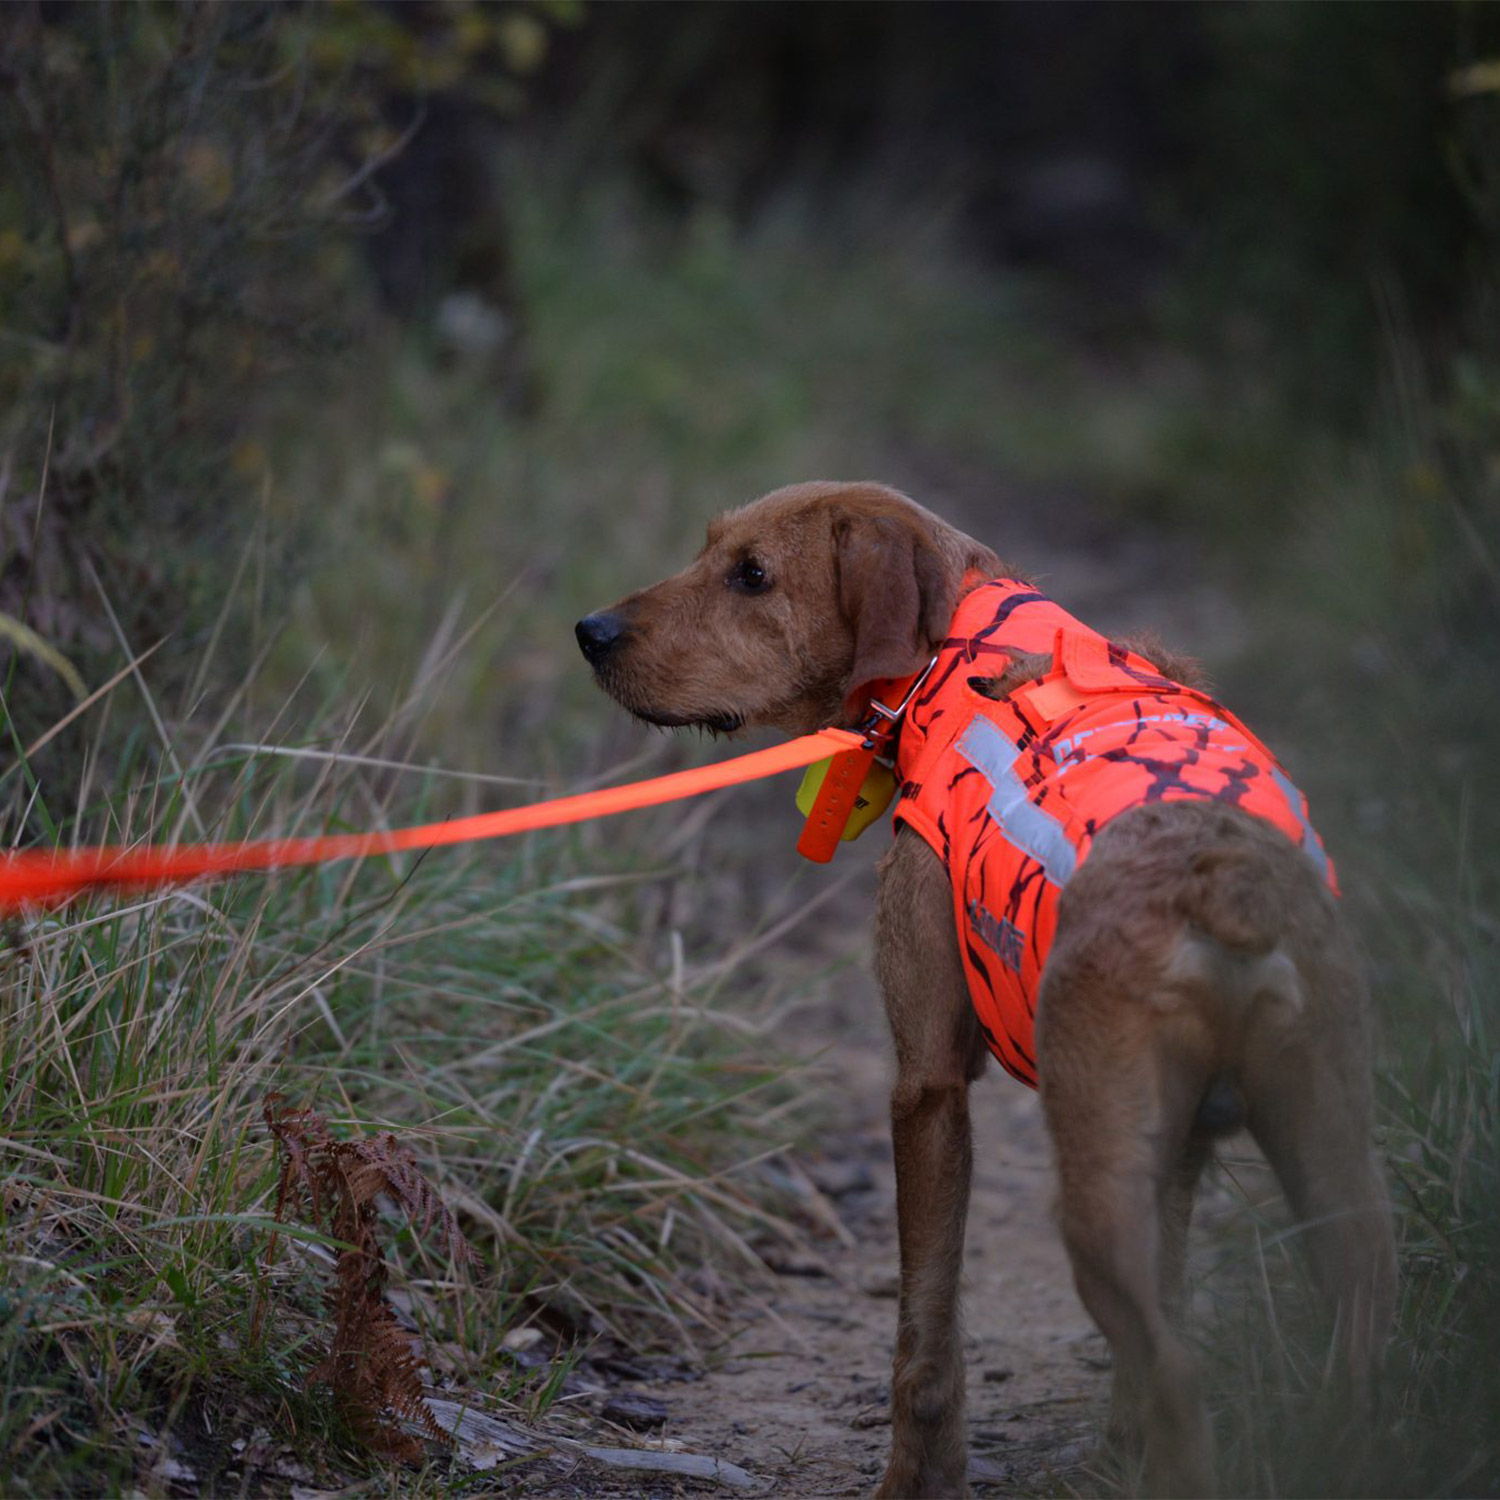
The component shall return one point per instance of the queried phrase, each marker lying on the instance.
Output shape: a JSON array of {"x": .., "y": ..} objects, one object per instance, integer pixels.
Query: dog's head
[{"x": 796, "y": 603}]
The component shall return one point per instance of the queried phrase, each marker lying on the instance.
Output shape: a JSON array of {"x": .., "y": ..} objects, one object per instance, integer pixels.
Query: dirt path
[{"x": 799, "y": 1395}]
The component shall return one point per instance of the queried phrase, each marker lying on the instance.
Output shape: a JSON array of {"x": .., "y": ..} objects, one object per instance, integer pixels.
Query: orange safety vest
[{"x": 1011, "y": 793}]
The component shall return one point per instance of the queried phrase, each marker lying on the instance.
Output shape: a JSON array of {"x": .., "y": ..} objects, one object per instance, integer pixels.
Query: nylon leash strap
[{"x": 48, "y": 877}]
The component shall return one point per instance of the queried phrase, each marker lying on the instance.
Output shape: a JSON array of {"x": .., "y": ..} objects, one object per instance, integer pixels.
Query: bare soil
[{"x": 800, "y": 1395}]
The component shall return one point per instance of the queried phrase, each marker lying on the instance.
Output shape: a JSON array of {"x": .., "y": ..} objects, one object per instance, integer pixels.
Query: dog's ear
[{"x": 895, "y": 593}]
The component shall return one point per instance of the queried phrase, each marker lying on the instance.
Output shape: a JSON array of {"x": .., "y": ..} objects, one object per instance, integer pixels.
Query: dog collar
[
  {"x": 884, "y": 722},
  {"x": 843, "y": 795}
]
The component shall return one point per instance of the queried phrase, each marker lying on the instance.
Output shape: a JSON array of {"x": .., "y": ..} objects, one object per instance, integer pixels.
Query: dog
[{"x": 1164, "y": 970}]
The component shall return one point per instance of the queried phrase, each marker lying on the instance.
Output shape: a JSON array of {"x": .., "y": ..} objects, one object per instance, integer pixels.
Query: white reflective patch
[
  {"x": 1032, "y": 829},
  {"x": 1298, "y": 804}
]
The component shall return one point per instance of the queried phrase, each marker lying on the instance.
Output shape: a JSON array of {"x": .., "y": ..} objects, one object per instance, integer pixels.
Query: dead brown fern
[{"x": 372, "y": 1364}]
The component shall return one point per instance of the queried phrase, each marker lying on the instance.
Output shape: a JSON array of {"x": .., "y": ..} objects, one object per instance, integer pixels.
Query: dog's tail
[
  {"x": 1230, "y": 961},
  {"x": 1233, "y": 895},
  {"x": 1235, "y": 915}
]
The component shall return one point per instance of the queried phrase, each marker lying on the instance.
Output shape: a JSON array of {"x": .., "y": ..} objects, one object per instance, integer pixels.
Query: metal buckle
[{"x": 893, "y": 716}]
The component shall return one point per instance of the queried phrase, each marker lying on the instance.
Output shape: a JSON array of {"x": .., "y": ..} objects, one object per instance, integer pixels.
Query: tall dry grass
[{"x": 594, "y": 1118}]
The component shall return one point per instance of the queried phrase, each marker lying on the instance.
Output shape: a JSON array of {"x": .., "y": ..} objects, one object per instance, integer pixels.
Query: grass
[
  {"x": 574, "y": 1090},
  {"x": 1380, "y": 609}
]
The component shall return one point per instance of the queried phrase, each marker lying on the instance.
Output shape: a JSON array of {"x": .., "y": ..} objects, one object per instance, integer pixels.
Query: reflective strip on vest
[
  {"x": 1312, "y": 846},
  {"x": 1032, "y": 829}
]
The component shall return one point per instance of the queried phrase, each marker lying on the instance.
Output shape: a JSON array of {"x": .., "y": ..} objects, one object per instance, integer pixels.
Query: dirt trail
[{"x": 799, "y": 1395}]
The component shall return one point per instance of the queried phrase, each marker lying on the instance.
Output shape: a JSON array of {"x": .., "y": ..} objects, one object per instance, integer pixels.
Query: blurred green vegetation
[
  {"x": 186, "y": 193},
  {"x": 1333, "y": 189}
]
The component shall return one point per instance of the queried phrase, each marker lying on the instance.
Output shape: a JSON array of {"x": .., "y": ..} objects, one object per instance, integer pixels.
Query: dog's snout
[{"x": 599, "y": 634}]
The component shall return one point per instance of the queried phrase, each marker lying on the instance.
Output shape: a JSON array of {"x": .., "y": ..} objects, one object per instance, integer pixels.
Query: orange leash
[{"x": 45, "y": 877}]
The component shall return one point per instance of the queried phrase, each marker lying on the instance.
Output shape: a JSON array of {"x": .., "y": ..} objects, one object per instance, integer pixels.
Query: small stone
[
  {"x": 995, "y": 1375},
  {"x": 838, "y": 1178},
  {"x": 989, "y": 1471},
  {"x": 791, "y": 1263},
  {"x": 635, "y": 1410}
]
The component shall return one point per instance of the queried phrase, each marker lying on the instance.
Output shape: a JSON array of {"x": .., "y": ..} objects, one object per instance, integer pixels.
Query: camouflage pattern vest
[{"x": 1011, "y": 793}]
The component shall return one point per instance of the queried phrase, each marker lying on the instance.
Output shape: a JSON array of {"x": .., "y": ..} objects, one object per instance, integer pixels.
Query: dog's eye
[{"x": 749, "y": 577}]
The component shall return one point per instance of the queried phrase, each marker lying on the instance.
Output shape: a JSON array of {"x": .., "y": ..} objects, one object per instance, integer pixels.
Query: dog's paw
[{"x": 909, "y": 1481}]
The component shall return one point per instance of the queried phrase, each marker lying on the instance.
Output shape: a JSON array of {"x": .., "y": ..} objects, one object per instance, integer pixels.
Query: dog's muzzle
[{"x": 599, "y": 635}]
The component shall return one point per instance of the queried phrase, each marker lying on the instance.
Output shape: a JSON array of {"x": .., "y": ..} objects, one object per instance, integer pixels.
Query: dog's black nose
[{"x": 598, "y": 635}]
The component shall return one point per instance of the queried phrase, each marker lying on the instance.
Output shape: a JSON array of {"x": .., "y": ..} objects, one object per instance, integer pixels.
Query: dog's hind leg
[
  {"x": 1175, "y": 1198},
  {"x": 939, "y": 1052},
  {"x": 1310, "y": 1110},
  {"x": 1121, "y": 1120},
  {"x": 1178, "y": 1192}
]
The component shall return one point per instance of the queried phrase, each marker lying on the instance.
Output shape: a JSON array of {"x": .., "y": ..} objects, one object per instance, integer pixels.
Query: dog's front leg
[
  {"x": 937, "y": 1055},
  {"x": 930, "y": 1129}
]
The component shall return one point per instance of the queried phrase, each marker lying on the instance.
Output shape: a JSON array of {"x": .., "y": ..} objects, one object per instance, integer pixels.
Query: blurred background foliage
[
  {"x": 194, "y": 198},
  {"x": 371, "y": 344},
  {"x": 206, "y": 207},
  {"x": 366, "y": 305},
  {"x": 210, "y": 214}
]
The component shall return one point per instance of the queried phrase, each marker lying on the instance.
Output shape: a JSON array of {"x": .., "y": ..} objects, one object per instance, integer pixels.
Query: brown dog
[{"x": 1198, "y": 978}]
